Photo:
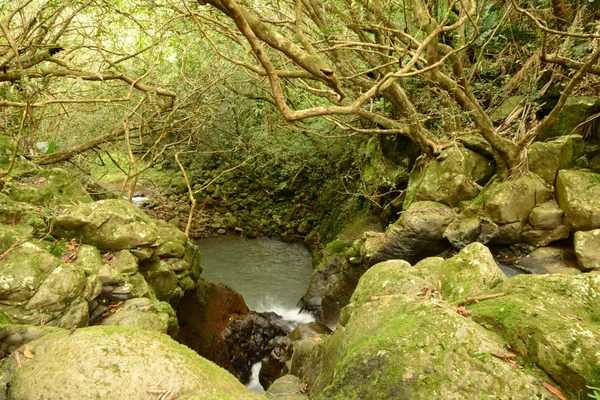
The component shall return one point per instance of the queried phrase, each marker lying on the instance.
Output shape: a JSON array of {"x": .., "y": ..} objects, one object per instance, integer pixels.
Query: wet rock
[
  {"x": 587, "y": 249},
  {"x": 46, "y": 186},
  {"x": 549, "y": 260},
  {"x": 131, "y": 362},
  {"x": 578, "y": 195},
  {"x": 246, "y": 339},
  {"x": 453, "y": 177},
  {"x": 418, "y": 233},
  {"x": 203, "y": 316},
  {"x": 546, "y": 158},
  {"x": 279, "y": 351},
  {"x": 550, "y": 321}
]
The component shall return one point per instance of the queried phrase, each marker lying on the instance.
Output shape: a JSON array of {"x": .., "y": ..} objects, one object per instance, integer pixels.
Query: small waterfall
[{"x": 254, "y": 384}]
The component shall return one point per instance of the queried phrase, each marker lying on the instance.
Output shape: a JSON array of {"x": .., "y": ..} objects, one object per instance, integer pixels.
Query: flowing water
[{"x": 269, "y": 274}]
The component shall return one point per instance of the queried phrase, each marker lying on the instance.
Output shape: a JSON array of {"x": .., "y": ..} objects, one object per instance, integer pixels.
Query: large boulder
[
  {"x": 547, "y": 158},
  {"x": 333, "y": 280},
  {"x": 45, "y": 187},
  {"x": 116, "y": 363},
  {"x": 418, "y": 233},
  {"x": 551, "y": 321},
  {"x": 399, "y": 347},
  {"x": 578, "y": 195},
  {"x": 499, "y": 214},
  {"x": 11, "y": 235},
  {"x": 379, "y": 171},
  {"x": 204, "y": 315},
  {"x": 453, "y": 177},
  {"x": 549, "y": 260},
  {"x": 107, "y": 224}
]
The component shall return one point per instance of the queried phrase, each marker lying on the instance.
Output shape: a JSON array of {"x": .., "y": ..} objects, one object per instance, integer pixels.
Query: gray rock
[
  {"x": 543, "y": 237},
  {"x": 549, "y": 260},
  {"x": 418, "y": 233},
  {"x": 578, "y": 195},
  {"x": 288, "y": 387},
  {"x": 125, "y": 263},
  {"x": 587, "y": 249},
  {"x": 547, "y": 215}
]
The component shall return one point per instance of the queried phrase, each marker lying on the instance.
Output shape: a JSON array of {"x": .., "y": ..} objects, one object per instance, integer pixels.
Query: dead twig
[{"x": 471, "y": 300}]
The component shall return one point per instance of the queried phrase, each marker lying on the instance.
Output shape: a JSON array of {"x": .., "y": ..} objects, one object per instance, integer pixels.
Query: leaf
[
  {"x": 27, "y": 353},
  {"x": 554, "y": 391},
  {"x": 51, "y": 147}
]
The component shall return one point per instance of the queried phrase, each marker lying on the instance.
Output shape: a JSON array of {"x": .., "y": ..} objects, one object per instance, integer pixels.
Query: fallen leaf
[
  {"x": 554, "y": 391},
  {"x": 27, "y": 353},
  {"x": 319, "y": 340}
]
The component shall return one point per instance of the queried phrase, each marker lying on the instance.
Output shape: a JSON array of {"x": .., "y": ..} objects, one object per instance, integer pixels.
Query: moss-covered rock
[
  {"x": 452, "y": 177},
  {"x": 119, "y": 362},
  {"x": 379, "y": 171},
  {"x": 576, "y": 110},
  {"x": 587, "y": 249},
  {"x": 145, "y": 314},
  {"x": 288, "y": 387},
  {"x": 107, "y": 224},
  {"x": 549, "y": 260},
  {"x": 547, "y": 158},
  {"x": 46, "y": 186},
  {"x": 508, "y": 106},
  {"x": 162, "y": 280},
  {"x": 547, "y": 215},
  {"x": 499, "y": 214},
  {"x": 550, "y": 321},
  {"x": 399, "y": 347},
  {"x": 14, "y": 235},
  {"x": 578, "y": 195}
]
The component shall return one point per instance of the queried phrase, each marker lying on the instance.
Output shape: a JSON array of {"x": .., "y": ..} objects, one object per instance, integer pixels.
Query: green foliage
[{"x": 596, "y": 394}]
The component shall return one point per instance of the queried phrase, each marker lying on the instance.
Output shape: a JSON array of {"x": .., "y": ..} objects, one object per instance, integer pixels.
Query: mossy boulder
[
  {"x": 587, "y": 249},
  {"x": 7, "y": 148},
  {"x": 118, "y": 362},
  {"x": 45, "y": 187},
  {"x": 470, "y": 273},
  {"x": 399, "y": 347},
  {"x": 162, "y": 279},
  {"x": 499, "y": 214},
  {"x": 14, "y": 235},
  {"x": 551, "y": 321},
  {"x": 454, "y": 176},
  {"x": 547, "y": 158},
  {"x": 547, "y": 215},
  {"x": 145, "y": 314},
  {"x": 36, "y": 287},
  {"x": 107, "y": 224},
  {"x": 578, "y": 195},
  {"x": 417, "y": 233},
  {"x": 576, "y": 110}
]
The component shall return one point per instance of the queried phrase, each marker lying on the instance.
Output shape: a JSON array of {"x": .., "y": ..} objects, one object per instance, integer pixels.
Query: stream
[{"x": 269, "y": 274}]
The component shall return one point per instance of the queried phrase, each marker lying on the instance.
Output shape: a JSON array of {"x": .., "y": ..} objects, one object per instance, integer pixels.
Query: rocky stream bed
[{"x": 99, "y": 300}]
